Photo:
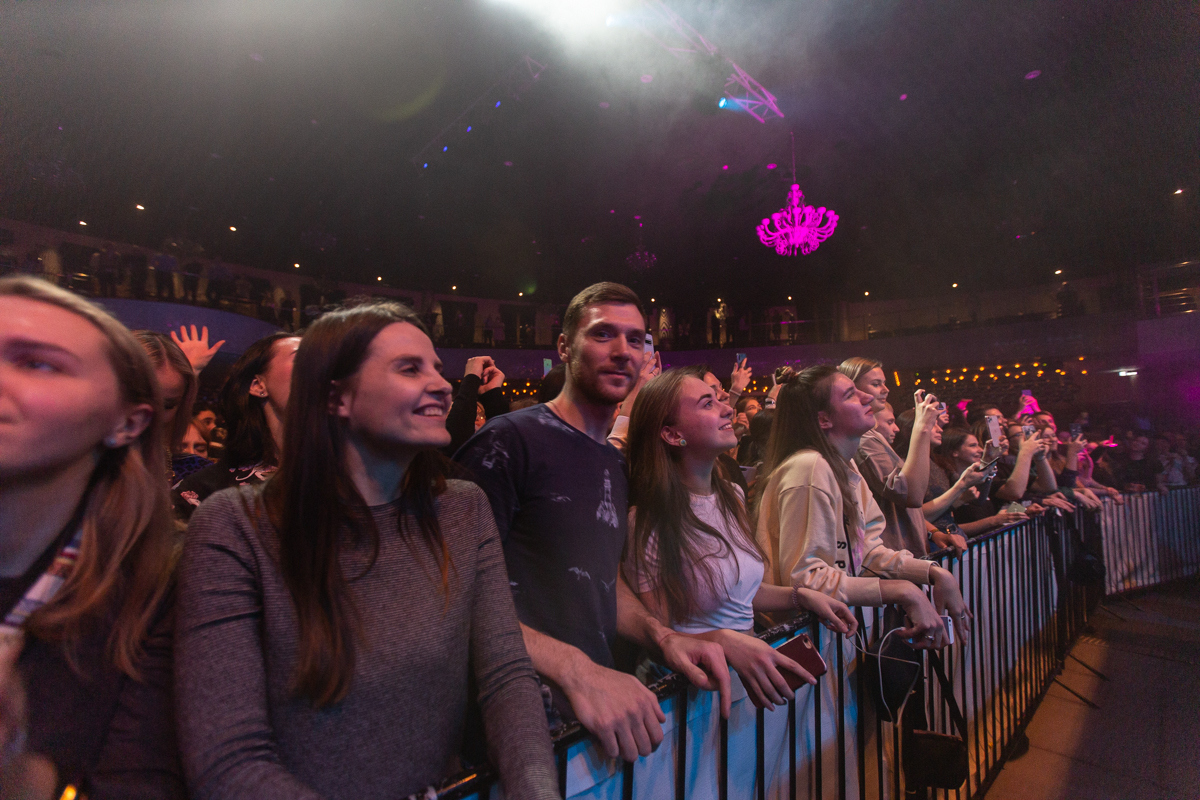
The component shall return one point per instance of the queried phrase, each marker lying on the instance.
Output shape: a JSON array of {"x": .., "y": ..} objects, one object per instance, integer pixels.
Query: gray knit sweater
[{"x": 399, "y": 729}]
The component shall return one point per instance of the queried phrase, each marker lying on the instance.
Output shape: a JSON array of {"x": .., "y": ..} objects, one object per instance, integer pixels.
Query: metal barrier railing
[{"x": 1031, "y": 587}]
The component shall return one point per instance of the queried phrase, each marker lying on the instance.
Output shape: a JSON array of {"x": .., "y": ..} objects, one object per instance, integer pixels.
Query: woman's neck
[
  {"x": 696, "y": 472},
  {"x": 377, "y": 476},
  {"x": 274, "y": 426},
  {"x": 847, "y": 446},
  {"x": 34, "y": 511}
]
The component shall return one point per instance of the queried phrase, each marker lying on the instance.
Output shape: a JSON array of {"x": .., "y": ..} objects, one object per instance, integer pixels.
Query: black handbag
[
  {"x": 891, "y": 667},
  {"x": 938, "y": 760}
]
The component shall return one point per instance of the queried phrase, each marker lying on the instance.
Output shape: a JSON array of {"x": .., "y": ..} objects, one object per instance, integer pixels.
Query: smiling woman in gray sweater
[{"x": 330, "y": 624}]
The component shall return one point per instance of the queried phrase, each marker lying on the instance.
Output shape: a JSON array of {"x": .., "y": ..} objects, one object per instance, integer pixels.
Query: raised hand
[
  {"x": 477, "y": 364},
  {"x": 741, "y": 376},
  {"x": 493, "y": 378},
  {"x": 195, "y": 347}
]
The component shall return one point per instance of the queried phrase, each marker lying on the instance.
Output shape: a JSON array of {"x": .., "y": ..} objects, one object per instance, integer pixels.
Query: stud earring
[
  {"x": 110, "y": 442},
  {"x": 683, "y": 442}
]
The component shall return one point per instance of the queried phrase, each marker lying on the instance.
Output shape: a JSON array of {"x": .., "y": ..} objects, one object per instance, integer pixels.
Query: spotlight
[
  {"x": 84, "y": 224},
  {"x": 297, "y": 266},
  {"x": 232, "y": 228},
  {"x": 1177, "y": 191},
  {"x": 140, "y": 207},
  {"x": 724, "y": 101}
]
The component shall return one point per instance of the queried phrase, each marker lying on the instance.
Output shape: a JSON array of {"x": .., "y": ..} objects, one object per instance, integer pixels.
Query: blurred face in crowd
[
  {"x": 194, "y": 443},
  {"x": 935, "y": 436},
  {"x": 875, "y": 384},
  {"x": 995, "y": 412},
  {"x": 714, "y": 383},
  {"x": 1139, "y": 445},
  {"x": 397, "y": 401},
  {"x": 59, "y": 397},
  {"x": 885, "y": 423},
  {"x": 751, "y": 408},
  {"x": 206, "y": 420},
  {"x": 480, "y": 416},
  {"x": 700, "y": 419},
  {"x": 275, "y": 382},
  {"x": 968, "y": 452},
  {"x": 848, "y": 412},
  {"x": 1044, "y": 420},
  {"x": 173, "y": 387},
  {"x": 605, "y": 354}
]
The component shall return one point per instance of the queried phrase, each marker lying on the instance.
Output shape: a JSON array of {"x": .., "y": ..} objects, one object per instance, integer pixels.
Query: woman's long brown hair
[
  {"x": 129, "y": 543},
  {"x": 796, "y": 428},
  {"x": 664, "y": 504},
  {"x": 316, "y": 508},
  {"x": 162, "y": 350}
]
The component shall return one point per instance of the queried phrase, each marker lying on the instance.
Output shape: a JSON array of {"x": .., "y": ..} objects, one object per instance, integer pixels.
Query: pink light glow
[
  {"x": 1030, "y": 76},
  {"x": 604, "y": 105},
  {"x": 647, "y": 78},
  {"x": 725, "y": 167},
  {"x": 797, "y": 227},
  {"x": 903, "y": 97},
  {"x": 770, "y": 166}
]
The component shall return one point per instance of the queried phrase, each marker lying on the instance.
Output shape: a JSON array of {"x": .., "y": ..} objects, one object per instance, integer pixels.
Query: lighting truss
[
  {"x": 518, "y": 80},
  {"x": 681, "y": 40}
]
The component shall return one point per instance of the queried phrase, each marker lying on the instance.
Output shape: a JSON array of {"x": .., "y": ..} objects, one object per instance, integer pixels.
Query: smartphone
[
  {"x": 648, "y": 344},
  {"x": 801, "y": 651},
  {"x": 547, "y": 365},
  {"x": 1026, "y": 393},
  {"x": 989, "y": 464},
  {"x": 1076, "y": 430},
  {"x": 993, "y": 426},
  {"x": 941, "y": 408},
  {"x": 740, "y": 358},
  {"x": 1028, "y": 431}
]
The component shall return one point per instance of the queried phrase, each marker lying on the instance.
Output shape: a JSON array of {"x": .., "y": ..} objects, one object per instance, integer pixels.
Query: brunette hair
[
  {"x": 248, "y": 440},
  {"x": 162, "y": 350},
  {"x": 664, "y": 508},
  {"x": 315, "y": 506},
  {"x": 953, "y": 438},
  {"x": 857, "y": 366},
  {"x": 796, "y": 428},
  {"x": 128, "y": 548},
  {"x": 596, "y": 295}
]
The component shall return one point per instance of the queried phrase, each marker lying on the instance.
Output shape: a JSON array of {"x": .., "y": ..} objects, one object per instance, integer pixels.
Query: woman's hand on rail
[
  {"x": 758, "y": 665},
  {"x": 1005, "y": 518},
  {"x": 956, "y": 541},
  {"x": 925, "y": 630},
  {"x": 948, "y": 600},
  {"x": 836, "y": 615}
]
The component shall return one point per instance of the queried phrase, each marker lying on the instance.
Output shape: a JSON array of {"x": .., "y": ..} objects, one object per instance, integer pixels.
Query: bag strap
[{"x": 935, "y": 660}]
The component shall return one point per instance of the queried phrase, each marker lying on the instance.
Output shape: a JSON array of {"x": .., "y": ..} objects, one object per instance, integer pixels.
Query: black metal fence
[{"x": 1031, "y": 587}]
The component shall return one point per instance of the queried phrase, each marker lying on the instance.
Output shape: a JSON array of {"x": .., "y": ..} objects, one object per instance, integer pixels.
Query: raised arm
[{"x": 971, "y": 476}]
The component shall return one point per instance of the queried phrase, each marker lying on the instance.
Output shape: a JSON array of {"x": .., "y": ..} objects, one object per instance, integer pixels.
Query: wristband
[{"x": 796, "y": 598}]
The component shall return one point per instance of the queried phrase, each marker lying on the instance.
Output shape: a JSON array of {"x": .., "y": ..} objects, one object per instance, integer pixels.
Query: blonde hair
[
  {"x": 128, "y": 547},
  {"x": 857, "y": 366},
  {"x": 162, "y": 350}
]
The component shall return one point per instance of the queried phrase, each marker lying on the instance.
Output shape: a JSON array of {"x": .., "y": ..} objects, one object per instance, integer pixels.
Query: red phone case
[{"x": 801, "y": 651}]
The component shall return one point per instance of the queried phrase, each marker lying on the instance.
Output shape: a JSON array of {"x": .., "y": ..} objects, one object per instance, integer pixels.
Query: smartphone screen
[
  {"x": 1027, "y": 430},
  {"x": 547, "y": 365},
  {"x": 1076, "y": 429},
  {"x": 740, "y": 358},
  {"x": 648, "y": 344},
  {"x": 993, "y": 426}
]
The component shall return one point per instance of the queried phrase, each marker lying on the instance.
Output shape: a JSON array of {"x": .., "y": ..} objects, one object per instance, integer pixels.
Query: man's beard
[{"x": 589, "y": 385}]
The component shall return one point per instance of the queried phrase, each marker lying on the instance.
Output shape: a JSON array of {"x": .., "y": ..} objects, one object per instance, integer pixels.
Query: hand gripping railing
[{"x": 1031, "y": 590}]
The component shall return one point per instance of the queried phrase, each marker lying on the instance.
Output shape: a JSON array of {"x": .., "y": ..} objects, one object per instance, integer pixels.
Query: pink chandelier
[{"x": 797, "y": 227}]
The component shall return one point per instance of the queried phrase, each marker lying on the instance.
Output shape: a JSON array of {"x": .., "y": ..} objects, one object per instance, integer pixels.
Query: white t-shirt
[{"x": 738, "y": 574}]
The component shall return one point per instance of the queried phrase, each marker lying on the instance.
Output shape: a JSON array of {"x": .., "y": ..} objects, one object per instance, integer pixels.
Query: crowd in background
[{"x": 345, "y": 577}]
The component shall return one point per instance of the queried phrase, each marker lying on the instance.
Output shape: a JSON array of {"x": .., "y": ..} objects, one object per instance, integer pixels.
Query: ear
[
  {"x": 564, "y": 350},
  {"x": 824, "y": 421},
  {"x": 670, "y": 436},
  {"x": 258, "y": 388},
  {"x": 340, "y": 399},
  {"x": 130, "y": 426}
]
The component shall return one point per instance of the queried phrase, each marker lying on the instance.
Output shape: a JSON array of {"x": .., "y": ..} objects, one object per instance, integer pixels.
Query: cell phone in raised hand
[
  {"x": 648, "y": 344},
  {"x": 740, "y": 358}
]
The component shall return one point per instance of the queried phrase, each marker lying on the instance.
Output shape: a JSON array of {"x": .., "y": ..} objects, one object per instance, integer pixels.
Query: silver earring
[{"x": 110, "y": 441}]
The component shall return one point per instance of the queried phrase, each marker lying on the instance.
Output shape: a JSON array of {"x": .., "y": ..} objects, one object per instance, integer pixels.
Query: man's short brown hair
[{"x": 597, "y": 294}]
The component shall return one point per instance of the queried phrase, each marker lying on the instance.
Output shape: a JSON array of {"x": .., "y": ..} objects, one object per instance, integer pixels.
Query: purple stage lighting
[{"x": 1030, "y": 76}]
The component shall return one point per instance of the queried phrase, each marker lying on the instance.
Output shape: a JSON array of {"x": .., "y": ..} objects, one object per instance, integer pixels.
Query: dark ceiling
[{"x": 296, "y": 122}]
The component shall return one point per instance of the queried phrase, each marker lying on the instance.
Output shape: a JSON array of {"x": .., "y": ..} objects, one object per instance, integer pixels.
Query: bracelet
[{"x": 796, "y": 598}]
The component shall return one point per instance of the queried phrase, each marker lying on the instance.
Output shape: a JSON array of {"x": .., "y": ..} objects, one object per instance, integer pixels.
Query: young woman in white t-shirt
[{"x": 692, "y": 557}]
